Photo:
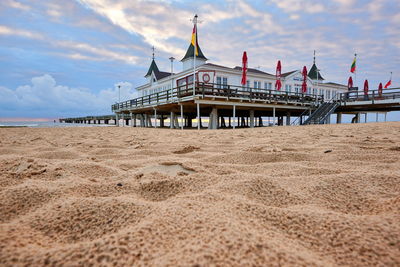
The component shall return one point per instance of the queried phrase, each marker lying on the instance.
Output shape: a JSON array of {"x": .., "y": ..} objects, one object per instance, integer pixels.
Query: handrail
[
  {"x": 229, "y": 91},
  {"x": 372, "y": 95}
]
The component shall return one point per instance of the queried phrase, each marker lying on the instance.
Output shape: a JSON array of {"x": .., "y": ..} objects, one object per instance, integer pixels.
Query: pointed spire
[
  {"x": 314, "y": 73},
  {"x": 153, "y": 66},
  {"x": 194, "y": 41}
]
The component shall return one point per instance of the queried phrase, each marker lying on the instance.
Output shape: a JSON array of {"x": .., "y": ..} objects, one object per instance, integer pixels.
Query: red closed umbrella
[
  {"x": 380, "y": 88},
  {"x": 366, "y": 87},
  {"x": 350, "y": 83},
  {"x": 244, "y": 68},
  {"x": 278, "y": 84},
  {"x": 304, "y": 85}
]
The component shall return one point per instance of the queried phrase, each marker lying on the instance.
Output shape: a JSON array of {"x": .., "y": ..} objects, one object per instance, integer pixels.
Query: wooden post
[
  {"x": 155, "y": 116},
  {"x": 172, "y": 120},
  {"x": 181, "y": 116},
  {"x": 234, "y": 116},
  {"x": 161, "y": 120},
  {"x": 273, "y": 116},
  {"x": 385, "y": 116},
  {"x": 377, "y": 117},
  {"x": 134, "y": 120},
  {"x": 251, "y": 118},
  {"x": 198, "y": 116},
  {"x": 288, "y": 118},
  {"x": 116, "y": 120},
  {"x": 339, "y": 118}
]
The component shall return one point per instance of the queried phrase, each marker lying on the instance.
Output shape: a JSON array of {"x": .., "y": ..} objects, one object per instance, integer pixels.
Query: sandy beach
[{"x": 323, "y": 195}]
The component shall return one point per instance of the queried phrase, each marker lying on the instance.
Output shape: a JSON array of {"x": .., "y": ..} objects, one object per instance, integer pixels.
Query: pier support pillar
[
  {"x": 198, "y": 117},
  {"x": 223, "y": 124},
  {"x": 116, "y": 120},
  {"x": 161, "y": 120},
  {"x": 189, "y": 121},
  {"x": 366, "y": 115},
  {"x": 251, "y": 118},
  {"x": 260, "y": 121},
  {"x": 273, "y": 116},
  {"x": 131, "y": 115},
  {"x": 142, "y": 121},
  {"x": 377, "y": 117},
  {"x": 181, "y": 116},
  {"x": 172, "y": 120},
  {"x": 148, "y": 121},
  {"x": 339, "y": 118},
  {"x": 328, "y": 120},
  {"x": 213, "y": 121},
  {"x": 358, "y": 117},
  {"x": 155, "y": 118},
  {"x": 288, "y": 118},
  {"x": 127, "y": 122},
  {"x": 234, "y": 116}
]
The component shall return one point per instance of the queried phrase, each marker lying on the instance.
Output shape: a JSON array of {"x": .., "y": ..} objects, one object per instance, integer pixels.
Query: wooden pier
[
  {"x": 222, "y": 105},
  {"x": 226, "y": 106}
]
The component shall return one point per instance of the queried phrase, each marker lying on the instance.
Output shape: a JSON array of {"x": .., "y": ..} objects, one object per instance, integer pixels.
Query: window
[
  {"x": 257, "y": 84},
  {"x": 328, "y": 94},
  {"x": 222, "y": 82},
  {"x": 267, "y": 86},
  {"x": 288, "y": 88},
  {"x": 219, "y": 81},
  {"x": 315, "y": 90},
  {"x": 225, "y": 82},
  {"x": 248, "y": 85},
  {"x": 297, "y": 89}
]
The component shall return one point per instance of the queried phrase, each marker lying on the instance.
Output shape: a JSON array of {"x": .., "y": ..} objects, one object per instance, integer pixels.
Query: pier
[{"x": 230, "y": 106}]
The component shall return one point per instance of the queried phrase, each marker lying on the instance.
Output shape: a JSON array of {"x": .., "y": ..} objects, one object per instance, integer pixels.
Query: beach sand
[{"x": 321, "y": 195}]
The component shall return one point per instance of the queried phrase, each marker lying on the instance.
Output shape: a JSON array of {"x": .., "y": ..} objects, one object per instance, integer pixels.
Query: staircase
[{"x": 321, "y": 113}]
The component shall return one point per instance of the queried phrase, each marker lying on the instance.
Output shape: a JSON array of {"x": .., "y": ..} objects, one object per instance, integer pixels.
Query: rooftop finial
[
  {"x": 314, "y": 56},
  {"x": 153, "y": 48}
]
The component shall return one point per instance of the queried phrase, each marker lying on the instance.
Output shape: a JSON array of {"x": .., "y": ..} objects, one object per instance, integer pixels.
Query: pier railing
[
  {"x": 372, "y": 95},
  {"x": 217, "y": 90}
]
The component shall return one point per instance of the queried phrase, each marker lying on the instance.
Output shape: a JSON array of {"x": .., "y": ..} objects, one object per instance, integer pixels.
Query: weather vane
[{"x": 154, "y": 49}]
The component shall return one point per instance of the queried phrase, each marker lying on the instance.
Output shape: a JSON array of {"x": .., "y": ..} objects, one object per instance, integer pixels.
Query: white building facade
[{"x": 222, "y": 76}]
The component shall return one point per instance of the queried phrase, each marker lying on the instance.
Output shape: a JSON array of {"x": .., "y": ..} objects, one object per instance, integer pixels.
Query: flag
[
  {"x": 194, "y": 40},
  {"x": 353, "y": 66},
  {"x": 350, "y": 83},
  {"x": 304, "y": 85},
  {"x": 278, "y": 84},
  {"x": 366, "y": 87},
  {"x": 244, "y": 68},
  {"x": 380, "y": 89},
  {"x": 389, "y": 83}
]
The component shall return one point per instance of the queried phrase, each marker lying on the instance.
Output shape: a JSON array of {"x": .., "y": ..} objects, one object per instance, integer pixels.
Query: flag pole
[
  {"x": 194, "y": 55},
  {"x": 355, "y": 71}
]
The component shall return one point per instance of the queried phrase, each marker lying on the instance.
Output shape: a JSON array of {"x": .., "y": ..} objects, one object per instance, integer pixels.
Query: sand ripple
[{"x": 156, "y": 197}]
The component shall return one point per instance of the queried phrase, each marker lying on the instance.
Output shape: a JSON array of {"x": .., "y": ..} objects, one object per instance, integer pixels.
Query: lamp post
[
  {"x": 119, "y": 93},
  {"x": 172, "y": 72}
]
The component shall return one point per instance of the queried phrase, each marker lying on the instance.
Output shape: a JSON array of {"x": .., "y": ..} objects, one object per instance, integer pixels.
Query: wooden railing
[
  {"x": 217, "y": 90},
  {"x": 373, "y": 95}
]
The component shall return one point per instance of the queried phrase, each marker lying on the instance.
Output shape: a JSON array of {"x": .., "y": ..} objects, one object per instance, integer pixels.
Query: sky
[{"x": 63, "y": 58}]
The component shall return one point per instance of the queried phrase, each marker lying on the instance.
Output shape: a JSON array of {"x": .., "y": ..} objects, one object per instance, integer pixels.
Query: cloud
[
  {"x": 16, "y": 5},
  {"x": 45, "y": 98},
  {"x": 5, "y": 30},
  {"x": 295, "y": 6}
]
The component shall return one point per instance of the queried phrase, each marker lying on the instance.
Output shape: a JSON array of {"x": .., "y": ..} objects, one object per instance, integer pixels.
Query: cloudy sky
[{"x": 65, "y": 57}]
